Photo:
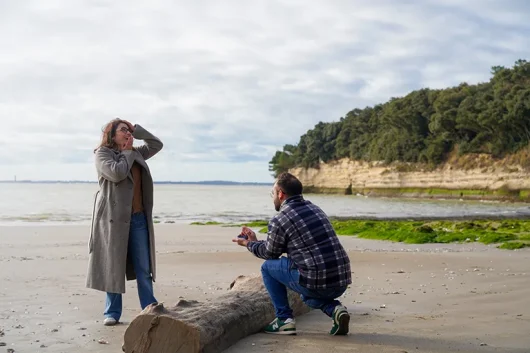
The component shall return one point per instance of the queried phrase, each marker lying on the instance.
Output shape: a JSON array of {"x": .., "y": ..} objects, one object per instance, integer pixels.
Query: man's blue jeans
[
  {"x": 138, "y": 251},
  {"x": 278, "y": 275}
]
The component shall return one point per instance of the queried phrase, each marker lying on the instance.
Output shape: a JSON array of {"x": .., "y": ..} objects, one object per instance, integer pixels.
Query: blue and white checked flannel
[{"x": 303, "y": 231}]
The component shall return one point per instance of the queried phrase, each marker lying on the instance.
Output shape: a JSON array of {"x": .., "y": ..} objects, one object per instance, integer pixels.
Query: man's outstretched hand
[
  {"x": 250, "y": 236},
  {"x": 249, "y": 233}
]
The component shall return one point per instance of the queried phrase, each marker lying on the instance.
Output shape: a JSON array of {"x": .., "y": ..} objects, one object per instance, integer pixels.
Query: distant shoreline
[{"x": 211, "y": 182}]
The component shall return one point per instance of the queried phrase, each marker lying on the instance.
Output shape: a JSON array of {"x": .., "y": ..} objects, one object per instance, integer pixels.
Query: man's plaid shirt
[{"x": 303, "y": 231}]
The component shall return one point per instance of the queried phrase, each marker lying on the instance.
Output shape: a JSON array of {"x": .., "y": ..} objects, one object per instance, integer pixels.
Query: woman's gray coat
[{"x": 108, "y": 264}]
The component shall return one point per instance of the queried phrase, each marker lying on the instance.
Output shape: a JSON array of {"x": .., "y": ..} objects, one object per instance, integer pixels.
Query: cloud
[{"x": 226, "y": 83}]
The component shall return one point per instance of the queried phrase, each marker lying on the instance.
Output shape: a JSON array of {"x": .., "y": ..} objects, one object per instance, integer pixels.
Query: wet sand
[{"x": 405, "y": 298}]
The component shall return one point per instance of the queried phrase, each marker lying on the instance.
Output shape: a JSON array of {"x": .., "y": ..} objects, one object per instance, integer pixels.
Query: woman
[{"x": 122, "y": 242}]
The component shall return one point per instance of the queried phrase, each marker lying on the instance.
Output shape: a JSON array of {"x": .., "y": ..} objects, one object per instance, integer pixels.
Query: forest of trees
[{"x": 425, "y": 125}]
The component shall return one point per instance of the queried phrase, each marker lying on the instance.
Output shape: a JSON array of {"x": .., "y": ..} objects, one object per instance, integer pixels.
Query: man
[{"x": 317, "y": 266}]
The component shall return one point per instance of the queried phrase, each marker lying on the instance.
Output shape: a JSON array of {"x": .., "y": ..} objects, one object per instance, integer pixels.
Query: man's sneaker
[
  {"x": 110, "y": 321},
  {"x": 341, "y": 321},
  {"x": 280, "y": 327}
]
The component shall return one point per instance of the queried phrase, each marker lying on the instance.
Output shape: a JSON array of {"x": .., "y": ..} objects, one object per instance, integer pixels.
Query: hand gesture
[
  {"x": 247, "y": 235},
  {"x": 131, "y": 126},
  {"x": 128, "y": 144}
]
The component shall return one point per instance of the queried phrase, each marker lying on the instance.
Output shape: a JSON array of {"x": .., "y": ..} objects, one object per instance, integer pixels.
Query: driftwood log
[{"x": 208, "y": 327}]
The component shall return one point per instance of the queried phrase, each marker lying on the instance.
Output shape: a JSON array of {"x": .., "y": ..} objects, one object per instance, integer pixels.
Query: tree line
[{"x": 425, "y": 125}]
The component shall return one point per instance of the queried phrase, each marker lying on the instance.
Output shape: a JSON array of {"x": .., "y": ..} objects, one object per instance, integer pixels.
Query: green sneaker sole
[{"x": 344, "y": 324}]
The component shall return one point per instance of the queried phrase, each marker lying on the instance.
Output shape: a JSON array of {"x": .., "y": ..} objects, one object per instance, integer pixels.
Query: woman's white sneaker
[{"x": 110, "y": 321}]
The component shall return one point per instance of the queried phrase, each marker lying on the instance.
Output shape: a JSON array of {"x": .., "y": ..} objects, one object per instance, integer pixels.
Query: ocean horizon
[
  {"x": 202, "y": 182},
  {"x": 72, "y": 203}
]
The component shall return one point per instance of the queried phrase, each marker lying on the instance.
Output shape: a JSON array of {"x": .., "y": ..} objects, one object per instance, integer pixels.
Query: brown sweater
[{"x": 137, "y": 204}]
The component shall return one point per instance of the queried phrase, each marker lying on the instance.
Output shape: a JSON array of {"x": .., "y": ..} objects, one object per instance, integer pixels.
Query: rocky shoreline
[{"x": 482, "y": 179}]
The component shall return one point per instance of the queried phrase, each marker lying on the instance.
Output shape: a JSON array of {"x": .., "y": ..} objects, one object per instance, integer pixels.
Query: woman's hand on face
[{"x": 128, "y": 145}]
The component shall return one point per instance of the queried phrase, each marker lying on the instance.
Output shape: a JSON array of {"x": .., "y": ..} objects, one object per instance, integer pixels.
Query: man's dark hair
[{"x": 289, "y": 184}]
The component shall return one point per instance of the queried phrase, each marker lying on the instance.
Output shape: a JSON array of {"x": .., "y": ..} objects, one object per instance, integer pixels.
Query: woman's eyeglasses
[{"x": 125, "y": 130}]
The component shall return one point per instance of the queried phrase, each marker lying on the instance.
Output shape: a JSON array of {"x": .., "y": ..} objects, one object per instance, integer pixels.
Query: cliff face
[{"x": 480, "y": 178}]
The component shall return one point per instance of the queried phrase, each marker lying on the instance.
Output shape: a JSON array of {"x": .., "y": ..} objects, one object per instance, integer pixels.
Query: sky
[{"x": 224, "y": 84}]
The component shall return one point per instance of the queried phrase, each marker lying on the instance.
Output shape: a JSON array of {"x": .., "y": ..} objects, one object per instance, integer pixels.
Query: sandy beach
[{"x": 405, "y": 298}]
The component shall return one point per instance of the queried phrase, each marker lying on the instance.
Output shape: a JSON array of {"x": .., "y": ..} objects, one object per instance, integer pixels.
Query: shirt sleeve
[
  {"x": 274, "y": 246},
  {"x": 152, "y": 144},
  {"x": 111, "y": 169}
]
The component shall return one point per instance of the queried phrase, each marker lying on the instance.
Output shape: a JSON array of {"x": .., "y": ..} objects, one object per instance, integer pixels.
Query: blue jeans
[
  {"x": 138, "y": 251},
  {"x": 278, "y": 275}
]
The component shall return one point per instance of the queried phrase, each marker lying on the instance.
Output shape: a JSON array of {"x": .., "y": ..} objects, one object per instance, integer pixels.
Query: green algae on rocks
[{"x": 511, "y": 234}]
